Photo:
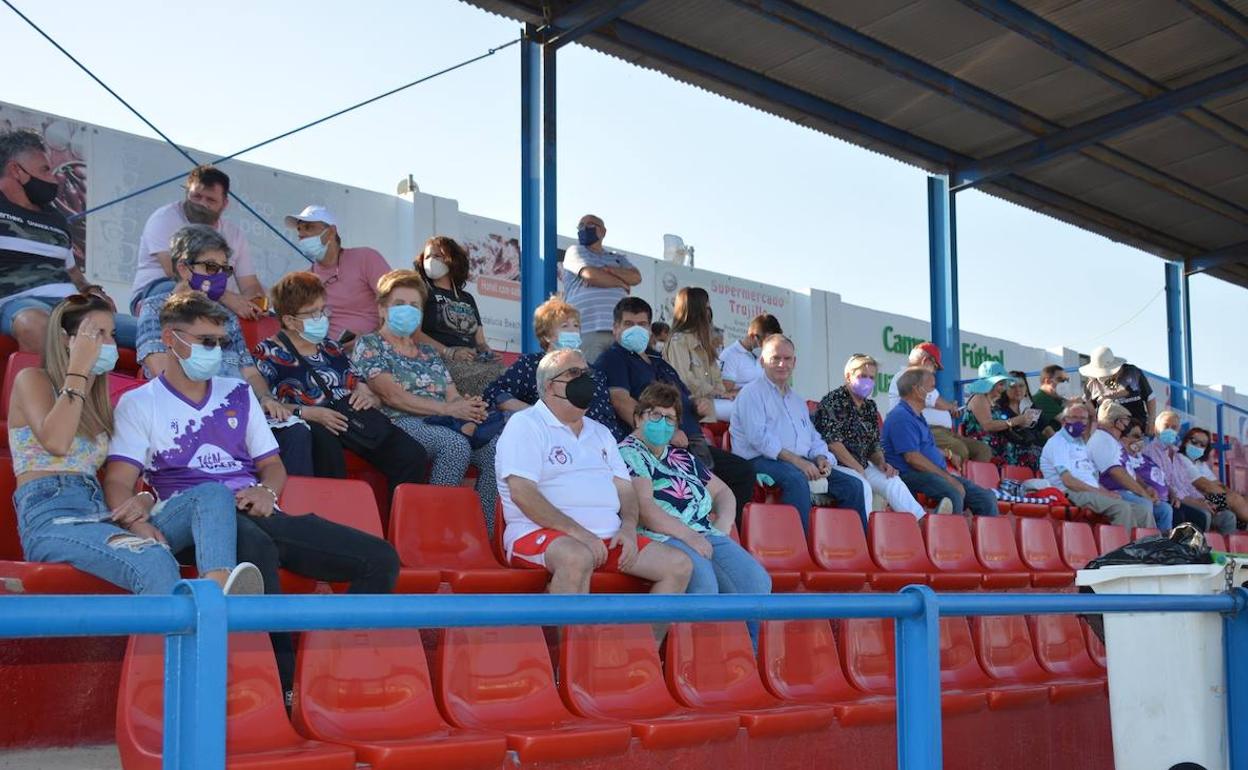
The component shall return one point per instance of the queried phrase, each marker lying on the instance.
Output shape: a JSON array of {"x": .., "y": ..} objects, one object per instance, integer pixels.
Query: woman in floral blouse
[
  {"x": 849, "y": 421},
  {"x": 683, "y": 504},
  {"x": 413, "y": 384}
]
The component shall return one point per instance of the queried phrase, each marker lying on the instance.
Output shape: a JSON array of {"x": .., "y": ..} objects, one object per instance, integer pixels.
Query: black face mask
[
  {"x": 579, "y": 391},
  {"x": 40, "y": 192}
]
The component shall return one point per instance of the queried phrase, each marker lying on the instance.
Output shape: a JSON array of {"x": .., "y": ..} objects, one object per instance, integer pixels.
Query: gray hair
[
  {"x": 1072, "y": 404},
  {"x": 551, "y": 365},
  {"x": 191, "y": 241},
  {"x": 910, "y": 379},
  {"x": 14, "y": 143},
  {"x": 776, "y": 339}
]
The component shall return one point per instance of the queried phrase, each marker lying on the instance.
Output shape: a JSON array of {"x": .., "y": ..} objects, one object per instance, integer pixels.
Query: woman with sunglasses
[
  {"x": 60, "y": 423},
  {"x": 201, "y": 261},
  {"x": 1194, "y": 452}
]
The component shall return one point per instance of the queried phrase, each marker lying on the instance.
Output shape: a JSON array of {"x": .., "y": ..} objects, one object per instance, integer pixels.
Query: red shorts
[{"x": 530, "y": 550}]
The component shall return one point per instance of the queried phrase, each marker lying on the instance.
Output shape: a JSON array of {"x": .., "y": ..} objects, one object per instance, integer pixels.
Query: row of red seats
[{"x": 368, "y": 695}]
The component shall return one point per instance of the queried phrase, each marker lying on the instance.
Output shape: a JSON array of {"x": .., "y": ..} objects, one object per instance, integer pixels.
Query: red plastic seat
[
  {"x": 1077, "y": 543},
  {"x": 501, "y": 679},
  {"x": 1037, "y": 546},
  {"x": 10, "y": 542},
  {"x": 255, "y": 330},
  {"x": 1142, "y": 532},
  {"x": 362, "y": 470},
  {"x": 442, "y": 528},
  {"x": 960, "y": 671},
  {"x": 950, "y": 548},
  {"x": 711, "y": 667},
  {"x": 997, "y": 551},
  {"x": 1060, "y": 647},
  {"x": 773, "y": 534},
  {"x": 799, "y": 662},
  {"x": 257, "y": 733},
  {"x": 1006, "y": 653},
  {"x": 981, "y": 474},
  {"x": 839, "y": 547},
  {"x": 16, "y": 362},
  {"x": 370, "y": 690},
  {"x": 1238, "y": 542},
  {"x": 1216, "y": 541},
  {"x": 1096, "y": 648},
  {"x": 1017, "y": 473},
  {"x": 1110, "y": 537},
  {"x": 614, "y": 672},
  {"x": 350, "y": 503},
  {"x": 897, "y": 546},
  {"x": 868, "y": 655}
]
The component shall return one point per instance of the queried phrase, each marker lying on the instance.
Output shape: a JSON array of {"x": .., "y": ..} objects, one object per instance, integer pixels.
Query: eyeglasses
[
  {"x": 668, "y": 418},
  {"x": 314, "y": 314},
  {"x": 212, "y": 268},
  {"x": 209, "y": 341},
  {"x": 575, "y": 372}
]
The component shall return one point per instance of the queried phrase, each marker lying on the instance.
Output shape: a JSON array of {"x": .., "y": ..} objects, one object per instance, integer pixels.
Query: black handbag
[{"x": 366, "y": 428}]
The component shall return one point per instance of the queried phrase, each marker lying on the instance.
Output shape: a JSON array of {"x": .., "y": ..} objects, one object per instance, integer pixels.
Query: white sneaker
[
  {"x": 946, "y": 506},
  {"x": 244, "y": 579}
]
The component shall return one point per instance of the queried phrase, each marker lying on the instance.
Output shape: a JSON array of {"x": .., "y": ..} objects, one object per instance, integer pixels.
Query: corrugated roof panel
[
  {"x": 933, "y": 29},
  {"x": 1211, "y": 232},
  {"x": 1168, "y": 141},
  {"x": 1178, "y": 52},
  {"x": 1108, "y": 24}
]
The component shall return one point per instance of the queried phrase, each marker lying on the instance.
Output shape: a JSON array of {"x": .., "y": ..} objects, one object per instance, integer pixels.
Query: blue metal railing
[{"x": 196, "y": 619}]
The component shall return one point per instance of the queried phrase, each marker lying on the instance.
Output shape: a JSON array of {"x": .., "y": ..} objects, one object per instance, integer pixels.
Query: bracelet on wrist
[
  {"x": 78, "y": 394},
  {"x": 268, "y": 489},
  {"x": 75, "y": 374}
]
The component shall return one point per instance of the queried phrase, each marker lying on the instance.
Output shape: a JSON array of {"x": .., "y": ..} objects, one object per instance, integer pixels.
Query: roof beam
[
  {"x": 1061, "y": 43},
  {"x": 587, "y": 16},
  {"x": 1099, "y": 129},
  {"x": 1220, "y": 15},
  {"x": 1238, "y": 253}
]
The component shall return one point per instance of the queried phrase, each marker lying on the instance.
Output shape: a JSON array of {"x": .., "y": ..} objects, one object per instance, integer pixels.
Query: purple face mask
[
  {"x": 1076, "y": 429},
  {"x": 862, "y": 386},
  {"x": 212, "y": 285}
]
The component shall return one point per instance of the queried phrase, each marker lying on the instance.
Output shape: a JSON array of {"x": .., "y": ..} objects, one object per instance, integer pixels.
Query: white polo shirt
[
  {"x": 1064, "y": 453},
  {"x": 575, "y": 473}
]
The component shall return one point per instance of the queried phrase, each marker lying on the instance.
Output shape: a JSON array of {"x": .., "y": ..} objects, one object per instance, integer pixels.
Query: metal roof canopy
[{"x": 1128, "y": 118}]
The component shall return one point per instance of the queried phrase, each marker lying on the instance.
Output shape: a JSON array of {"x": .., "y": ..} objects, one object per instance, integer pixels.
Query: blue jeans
[
  {"x": 125, "y": 334},
  {"x": 1163, "y": 512},
  {"x": 982, "y": 502},
  {"x": 730, "y": 570},
  {"x": 64, "y": 519},
  {"x": 795, "y": 488},
  {"x": 153, "y": 289}
]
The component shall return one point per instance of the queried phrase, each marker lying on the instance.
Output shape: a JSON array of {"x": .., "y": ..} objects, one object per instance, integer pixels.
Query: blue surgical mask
[
  {"x": 403, "y": 320},
  {"x": 202, "y": 364},
  {"x": 587, "y": 235},
  {"x": 568, "y": 341},
  {"x": 658, "y": 431},
  {"x": 105, "y": 361},
  {"x": 1169, "y": 437},
  {"x": 315, "y": 329},
  {"x": 635, "y": 339},
  {"x": 1194, "y": 452},
  {"x": 313, "y": 248}
]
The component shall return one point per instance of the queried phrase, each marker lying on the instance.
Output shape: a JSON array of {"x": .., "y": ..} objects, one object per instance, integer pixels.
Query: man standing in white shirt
[
  {"x": 738, "y": 364},
  {"x": 938, "y": 412},
  {"x": 568, "y": 500}
]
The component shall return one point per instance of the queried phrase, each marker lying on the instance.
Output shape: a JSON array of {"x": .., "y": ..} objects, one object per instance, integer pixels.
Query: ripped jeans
[{"x": 64, "y": 518}]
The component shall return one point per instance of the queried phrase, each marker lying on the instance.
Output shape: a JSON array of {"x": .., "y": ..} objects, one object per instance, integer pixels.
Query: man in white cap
[
  {"x": 1110, "y": 378},
  {"x": 349, "y": 275}
]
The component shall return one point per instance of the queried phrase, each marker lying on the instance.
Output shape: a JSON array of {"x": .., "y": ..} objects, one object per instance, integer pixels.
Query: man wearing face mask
[
  {"x": 1067, "y": 464},
  {"x": 207, "y": 196},
  {"x": 738, "y": 363},
  {"x": 1105, "y": 450},
  {"x": 1048, "y": 399},
  {"x": 37, "y": 266},
  {"x": 349, "y": 275},
  {"x": 201, "y": 259},
  {"x": 1189, "y": 504},
  {"x": 568, "y": 502},
  {"x": 594, "y": 280}
]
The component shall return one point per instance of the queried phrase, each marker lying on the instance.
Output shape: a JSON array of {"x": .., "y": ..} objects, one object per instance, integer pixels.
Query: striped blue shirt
[{"x": 596, "y": 305}]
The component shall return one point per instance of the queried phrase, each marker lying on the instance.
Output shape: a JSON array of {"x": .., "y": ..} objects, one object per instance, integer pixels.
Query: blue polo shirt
[
  {"x": 630, "y": 372},
  {"x": 905, "y": 431}
]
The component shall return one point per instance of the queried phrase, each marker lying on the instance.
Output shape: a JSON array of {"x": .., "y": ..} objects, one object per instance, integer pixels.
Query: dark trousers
[
  {"x": 738, "y": 474},
  {"x": 400, "y": 457},
  {"x": 295, "y": 448},
  {"x": 315, "y": 548}
]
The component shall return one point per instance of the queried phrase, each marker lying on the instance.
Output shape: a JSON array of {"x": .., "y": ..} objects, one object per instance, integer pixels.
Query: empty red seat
[
  {"x": 773, "y": 534},
  {"x": 1216, "y": 541},
  {"x": 1110, "y": 537},
  {"x": 442, "y": 528},
  {"x": 997, "y": 551},
  {"x": 960, "y": 671},
  {"x": 711, "y": 667},
  {"x": 868, "y": 655},
  {"x": 897, "y": 546},
  {"x": 1138, "y": 533},
  {"x": 350, "y": 503},
  {"x": 1096, "y": 648},
  {"x": 258, "y": 329},
  {"x": 1238, "y": 542},
  {"x": 370, "y": 690},
  {"x": 257, "y": 732},
  {"x": 950, "y": 548},
  {"x": 501, "y": 679},
  {"x": 1060, "y": 647},
  {"x": 16, "y": 362},
  {"x": 984, "y": 474},
  {"x": 799, "y": 662},
  {"x": 10, "y": 542},
  {"x": 1007, "y": 654},
  {"x": 1037, "y": 546},
  {"x": 614, "y": 672},
  {"x": 839, "y": 547},
  {"x": 1077, "y": 543},
  {"x": 1017, "y": 473}
]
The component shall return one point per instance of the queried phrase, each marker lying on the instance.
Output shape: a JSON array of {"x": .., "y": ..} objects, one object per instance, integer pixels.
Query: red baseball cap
[{"x": 933, "y": 351}]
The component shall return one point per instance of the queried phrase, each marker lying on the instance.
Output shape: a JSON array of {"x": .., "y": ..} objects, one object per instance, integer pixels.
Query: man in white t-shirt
[
  {"x": 939, "y": 413},
  {"x": 738, "y": 364},
  {"x": 568, "y": 501},
  {"x": 1105, "y": 450},
  {"x": 207, "y": 196},
  {"x": 1066, "y": 463}
]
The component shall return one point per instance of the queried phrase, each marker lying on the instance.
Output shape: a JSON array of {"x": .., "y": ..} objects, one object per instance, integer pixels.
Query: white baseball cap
[{"x": 312, "y": 214}]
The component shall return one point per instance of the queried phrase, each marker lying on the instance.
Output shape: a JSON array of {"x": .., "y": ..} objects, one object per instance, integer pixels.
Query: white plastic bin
[{"x": 1167, "y": 681}]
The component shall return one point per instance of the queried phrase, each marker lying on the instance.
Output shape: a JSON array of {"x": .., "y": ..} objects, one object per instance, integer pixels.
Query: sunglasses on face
[
  {"x": 209, "y": 341},
  {"x": 211, "y": 268}
]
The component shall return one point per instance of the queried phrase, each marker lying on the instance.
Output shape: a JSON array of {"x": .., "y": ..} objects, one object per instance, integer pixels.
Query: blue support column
[
  {"x": 195, "y": 668},
  {"x": 942, "y": 248},
  {"x": 1235, "y": 640},
  {"x": 918, "y": 685},
  {"x": 550, "y": 185},
  {"x": 1179, "y": 333},
  {"x": 532, "y": 278}
]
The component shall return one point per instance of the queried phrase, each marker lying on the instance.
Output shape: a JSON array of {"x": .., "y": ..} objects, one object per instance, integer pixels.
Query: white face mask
[{"x": 435, "y": 268}]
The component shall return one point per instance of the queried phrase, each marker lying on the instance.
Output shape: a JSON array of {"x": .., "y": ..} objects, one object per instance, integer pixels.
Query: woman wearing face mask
[
  {"x": 986, "y": 421},
  {"x": 310, "y": 371},
  {"x": 451, "y": 323},
  {"x": 684, "y": 504},
  {"x": 849, "y": 421},
  {"x": 691, "y": 352},
  {"x": 1194, "y": 455},
  {"x": 1189, "y": 503},
  {"x": 414, "y": 385},
  {"x": 557, "y": 325},
  {"x": 60, "y": 423}
]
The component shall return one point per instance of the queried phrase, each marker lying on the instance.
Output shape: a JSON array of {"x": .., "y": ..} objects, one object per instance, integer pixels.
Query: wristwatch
[{"x": 298, "y": 412}]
